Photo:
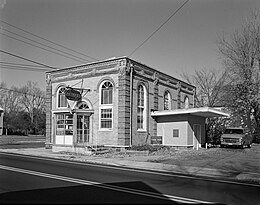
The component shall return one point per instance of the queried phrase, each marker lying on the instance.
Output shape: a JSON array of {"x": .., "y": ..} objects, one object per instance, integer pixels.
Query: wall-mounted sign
[{"x": 72, "y": 94}]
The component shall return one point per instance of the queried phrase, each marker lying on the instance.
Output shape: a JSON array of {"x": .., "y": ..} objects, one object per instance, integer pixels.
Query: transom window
[
  {"x": 83, "y": 105},
  {"x": 167, "y": 101},
  {"x": 141, "y": 108},
  {"x": 62, "y": 101}
]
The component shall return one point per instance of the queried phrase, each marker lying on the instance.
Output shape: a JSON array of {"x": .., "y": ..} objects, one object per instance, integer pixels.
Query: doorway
[
  {"x": 197, "y": 136},
  {"x": 83, "y": 129}
]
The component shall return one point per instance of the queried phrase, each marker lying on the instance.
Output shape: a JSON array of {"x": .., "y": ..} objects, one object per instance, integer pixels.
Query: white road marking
[
  {"x": 106, "y": 186},
  {"x": 155, "y": 172}
]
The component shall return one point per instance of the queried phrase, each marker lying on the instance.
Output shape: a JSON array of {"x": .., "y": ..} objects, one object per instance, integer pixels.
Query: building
[
  {"x": 1, "y": 120},
  {"x": 115, "y": 103}
]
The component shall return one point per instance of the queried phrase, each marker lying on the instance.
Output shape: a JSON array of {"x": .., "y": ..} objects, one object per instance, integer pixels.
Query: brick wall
[{"x": 48, "y": 141}]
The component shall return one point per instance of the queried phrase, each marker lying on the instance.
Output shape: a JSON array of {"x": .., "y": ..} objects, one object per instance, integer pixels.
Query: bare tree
[
  {"x": 241, "y": 56},
  {"x": 33, "y": 99},
  {"x": 209, "y": 85}
]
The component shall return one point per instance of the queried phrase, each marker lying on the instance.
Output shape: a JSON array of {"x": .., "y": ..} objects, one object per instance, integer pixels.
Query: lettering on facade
[{"x": 72, "y": 94}]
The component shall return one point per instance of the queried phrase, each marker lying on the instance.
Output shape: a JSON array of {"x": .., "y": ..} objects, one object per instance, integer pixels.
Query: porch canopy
[{"x": 201, "y": 111}]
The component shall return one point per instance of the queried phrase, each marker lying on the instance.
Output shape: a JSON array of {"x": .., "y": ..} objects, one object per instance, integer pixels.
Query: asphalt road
[{"x": 33, "y": 180}]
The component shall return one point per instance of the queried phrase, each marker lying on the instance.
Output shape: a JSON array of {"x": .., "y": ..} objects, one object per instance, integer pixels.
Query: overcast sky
[{"x": 103, "y": 29}]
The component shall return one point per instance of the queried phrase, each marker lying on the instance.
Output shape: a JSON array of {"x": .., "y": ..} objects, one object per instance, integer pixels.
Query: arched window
[
  {"x": 106, "y": 106},
  {"x": 62, "y": 101},
  {"x": 106, "y": 93},
  {"x": 167, "y": 100},
  {"x": 141, "y": 108},
  {"x": 186, "y": 102}
]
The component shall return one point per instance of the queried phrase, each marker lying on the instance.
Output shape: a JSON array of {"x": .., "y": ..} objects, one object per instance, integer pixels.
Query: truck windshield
[{"x": 233, "y": 131}]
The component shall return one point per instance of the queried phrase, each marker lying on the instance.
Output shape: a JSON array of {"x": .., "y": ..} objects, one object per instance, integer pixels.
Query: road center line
[{"x": 106, "y": 186}]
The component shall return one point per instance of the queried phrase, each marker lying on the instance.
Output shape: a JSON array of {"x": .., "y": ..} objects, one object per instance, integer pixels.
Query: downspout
[{"x": 131, "y": 102}]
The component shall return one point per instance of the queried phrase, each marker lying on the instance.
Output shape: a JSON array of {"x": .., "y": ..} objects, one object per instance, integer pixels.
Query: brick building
[{"x": 115, "y": 106}]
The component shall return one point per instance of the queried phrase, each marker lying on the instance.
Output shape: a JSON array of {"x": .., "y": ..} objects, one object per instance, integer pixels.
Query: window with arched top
[
  {"x": 167, "y": 100},
  {"x": 61, "y": 98},
  {"x": 106, "y": 93},
  {"x": 141, "y": 107},
  {"x": 186, "y": 102},
  {"x": 106, "y": 106}
]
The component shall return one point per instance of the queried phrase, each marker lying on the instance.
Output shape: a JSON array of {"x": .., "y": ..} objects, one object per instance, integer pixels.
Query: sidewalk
[{"x": 246, "y": 177}]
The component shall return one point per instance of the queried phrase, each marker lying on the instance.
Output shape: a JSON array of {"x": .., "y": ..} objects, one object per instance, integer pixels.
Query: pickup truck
[{"x": 238, "y": 137}]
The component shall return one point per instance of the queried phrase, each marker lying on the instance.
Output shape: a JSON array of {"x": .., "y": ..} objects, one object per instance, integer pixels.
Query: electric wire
[
  {"x": 32, "y": 61},
  {"x": 44, "y": 45},
  {"x": 20, "y": 64},
  {"x": 150, "y": 36},
  {"x": 48, "y": 40},
  {"x": 22, "y": 68},
  {"x": 40, "y": 47}
]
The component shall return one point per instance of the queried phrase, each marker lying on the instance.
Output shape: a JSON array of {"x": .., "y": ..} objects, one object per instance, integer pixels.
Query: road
[{"x": 34, "y": 179}]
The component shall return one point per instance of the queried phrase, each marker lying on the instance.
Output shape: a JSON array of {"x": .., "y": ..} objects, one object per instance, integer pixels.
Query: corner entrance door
[{"x": 82, "y": 129}]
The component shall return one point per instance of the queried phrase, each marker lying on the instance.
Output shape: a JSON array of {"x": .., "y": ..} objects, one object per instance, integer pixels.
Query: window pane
[
  {"x": 106, "y": 118},
  {"x": 107, "y": 93}
]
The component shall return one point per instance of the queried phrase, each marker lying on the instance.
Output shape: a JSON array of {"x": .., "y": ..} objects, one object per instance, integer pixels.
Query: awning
[{"x": 201, "y": 111}]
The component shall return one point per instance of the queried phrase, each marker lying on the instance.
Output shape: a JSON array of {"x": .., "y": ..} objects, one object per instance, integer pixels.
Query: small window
[{"x": 175, "y": 133}]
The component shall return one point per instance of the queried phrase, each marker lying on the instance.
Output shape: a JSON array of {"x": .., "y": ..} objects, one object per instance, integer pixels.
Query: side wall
[
  {"x": 167, "y": 124},
  {"x": 196, "y": 120}
]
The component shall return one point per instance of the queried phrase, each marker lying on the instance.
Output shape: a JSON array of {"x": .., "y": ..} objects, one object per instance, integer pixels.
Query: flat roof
[{"x": 201, "y": 111}]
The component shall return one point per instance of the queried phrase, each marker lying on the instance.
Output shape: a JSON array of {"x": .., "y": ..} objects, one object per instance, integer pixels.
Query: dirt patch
[{"x": 233, "y": 159}]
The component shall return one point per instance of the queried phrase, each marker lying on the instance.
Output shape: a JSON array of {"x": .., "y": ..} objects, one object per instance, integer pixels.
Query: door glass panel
[{"x": 82, "y": 129}]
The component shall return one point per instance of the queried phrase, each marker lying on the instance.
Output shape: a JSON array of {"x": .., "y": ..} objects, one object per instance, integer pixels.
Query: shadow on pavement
[{"x": 89, "y": 194}]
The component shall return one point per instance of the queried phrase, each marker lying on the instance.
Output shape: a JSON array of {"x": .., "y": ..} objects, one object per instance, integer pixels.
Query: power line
[
  {"x": 19, "y": 68},
  {"x": 26, "y": 59},
  {"x": 40, "y": 47},
  {"x": 158, "y": 28},
  {"x": 48, "y": 40},
  {"x": 43, "y": 45},
  {"x": 20, "y": 64}
]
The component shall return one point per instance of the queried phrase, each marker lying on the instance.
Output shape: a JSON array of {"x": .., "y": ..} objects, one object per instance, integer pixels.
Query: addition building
[{"x": 119, "y": 103}]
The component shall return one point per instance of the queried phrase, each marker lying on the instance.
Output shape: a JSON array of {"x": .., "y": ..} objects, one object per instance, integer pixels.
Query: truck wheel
[{"x": 243, "y": 145}]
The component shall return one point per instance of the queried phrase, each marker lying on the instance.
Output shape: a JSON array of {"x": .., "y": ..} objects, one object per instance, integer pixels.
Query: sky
[{"x": 102, "y": 29}]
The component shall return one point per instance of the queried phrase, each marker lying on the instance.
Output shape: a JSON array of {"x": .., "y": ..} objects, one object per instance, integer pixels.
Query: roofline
[
  {"x": 91, "y": 63},
  {"x": 119, "y": 58},
  {"x": 188, "y": 111}
]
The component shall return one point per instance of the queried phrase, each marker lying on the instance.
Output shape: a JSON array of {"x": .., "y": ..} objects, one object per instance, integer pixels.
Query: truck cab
[{"x": 239, "y": 137}]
